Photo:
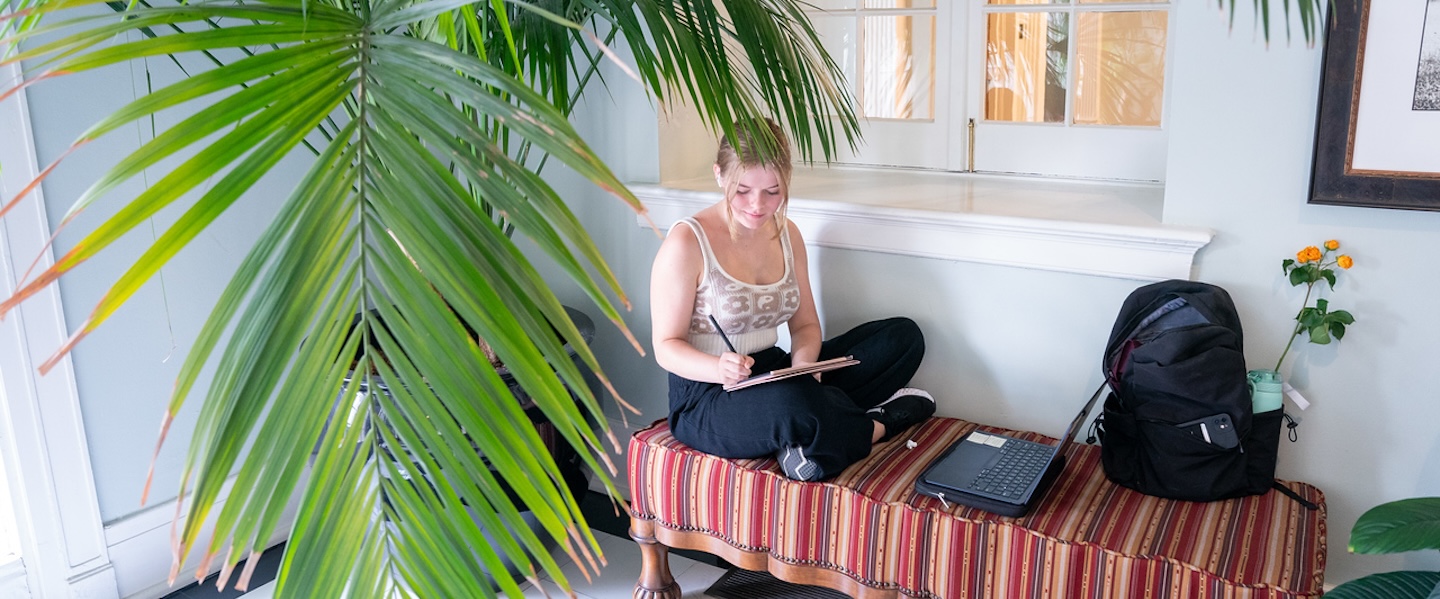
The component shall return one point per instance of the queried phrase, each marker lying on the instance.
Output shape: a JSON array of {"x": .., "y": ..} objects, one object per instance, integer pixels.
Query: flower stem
[{"x": 1299, "y": 326}]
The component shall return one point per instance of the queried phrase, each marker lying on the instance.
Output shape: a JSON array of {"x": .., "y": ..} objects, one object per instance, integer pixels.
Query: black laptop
[{"x": 998, "y": 473}]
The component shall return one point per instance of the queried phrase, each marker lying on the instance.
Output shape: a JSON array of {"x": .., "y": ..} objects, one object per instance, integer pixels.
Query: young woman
[{"x": 744, "y": 263}]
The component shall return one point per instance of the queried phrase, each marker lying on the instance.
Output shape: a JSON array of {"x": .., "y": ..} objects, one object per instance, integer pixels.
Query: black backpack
[{"x": 1176, "y": 369}]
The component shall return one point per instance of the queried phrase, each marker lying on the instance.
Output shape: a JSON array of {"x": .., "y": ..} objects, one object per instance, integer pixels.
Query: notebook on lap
[{"x": 998, "y": 473}]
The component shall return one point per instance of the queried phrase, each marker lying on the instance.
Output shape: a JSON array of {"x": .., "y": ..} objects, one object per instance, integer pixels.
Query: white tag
[
  {"x": 1295, "y": 396},
  {"x": 978, "y": 437},
  {"x": 995, "y": 441},
  {"x": 1205, "y": 432}
]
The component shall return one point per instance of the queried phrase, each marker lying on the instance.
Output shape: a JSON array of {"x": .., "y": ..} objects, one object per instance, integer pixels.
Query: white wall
[{"x": 1022, "y": 348}]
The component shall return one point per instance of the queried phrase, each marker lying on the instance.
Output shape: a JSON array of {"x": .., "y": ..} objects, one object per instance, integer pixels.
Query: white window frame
[
  {"x": 1065, "y": 149},
  {"x": 916, "y": 143},
  {"x": 944, "y": 142}
]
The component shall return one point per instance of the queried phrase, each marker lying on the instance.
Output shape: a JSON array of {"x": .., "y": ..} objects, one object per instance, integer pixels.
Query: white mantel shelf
[{"x": 1090, "y": 228}]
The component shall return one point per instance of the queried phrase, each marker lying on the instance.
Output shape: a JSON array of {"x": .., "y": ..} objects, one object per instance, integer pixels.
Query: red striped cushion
[{"x": 1086, "y": 538}]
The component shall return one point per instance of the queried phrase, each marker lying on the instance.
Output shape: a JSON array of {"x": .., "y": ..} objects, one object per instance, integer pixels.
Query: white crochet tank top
[{"x": 750, "y": 314}]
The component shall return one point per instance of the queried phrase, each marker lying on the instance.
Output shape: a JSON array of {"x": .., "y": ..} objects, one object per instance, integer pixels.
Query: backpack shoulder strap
[{"x": 1293, "y": 495}]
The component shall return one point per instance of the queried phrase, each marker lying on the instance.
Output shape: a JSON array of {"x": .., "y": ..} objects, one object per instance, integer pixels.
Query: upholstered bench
[{"x": 868, "y": 534}]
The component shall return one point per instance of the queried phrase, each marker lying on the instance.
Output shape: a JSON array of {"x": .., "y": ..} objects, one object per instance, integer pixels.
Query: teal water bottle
[{"x": 1266, "y": 390}]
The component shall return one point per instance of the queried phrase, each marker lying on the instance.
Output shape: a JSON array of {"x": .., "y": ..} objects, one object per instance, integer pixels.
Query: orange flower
[
  {"x": 1332, "y": 245},
  {"x": 1309, "y": 254},
  {"x": 1345, "y": 261}
]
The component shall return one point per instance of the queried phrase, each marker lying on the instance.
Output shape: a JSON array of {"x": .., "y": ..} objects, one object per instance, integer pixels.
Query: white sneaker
[{"x": 902, "y": 392}]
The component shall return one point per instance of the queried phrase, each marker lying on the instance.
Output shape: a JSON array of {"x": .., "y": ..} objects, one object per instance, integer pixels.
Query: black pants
[{"x": 825, "y": 419}]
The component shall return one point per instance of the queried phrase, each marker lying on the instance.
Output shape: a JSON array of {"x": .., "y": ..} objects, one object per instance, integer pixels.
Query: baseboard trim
[{"x": 12, "y": 580}]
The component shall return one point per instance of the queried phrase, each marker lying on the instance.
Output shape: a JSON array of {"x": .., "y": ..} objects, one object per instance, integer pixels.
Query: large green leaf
[
  {"x": 1408, "y": 584},
  {"x": 345, "y": 352},
  {"x": 1398, "y": 526}
]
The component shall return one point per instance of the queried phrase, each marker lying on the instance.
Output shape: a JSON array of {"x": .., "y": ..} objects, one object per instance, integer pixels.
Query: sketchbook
[{"x": 785, "y": 373}]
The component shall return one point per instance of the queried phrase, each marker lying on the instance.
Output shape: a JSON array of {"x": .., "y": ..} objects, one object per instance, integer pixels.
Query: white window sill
[{"x": 1094, "y": 228}]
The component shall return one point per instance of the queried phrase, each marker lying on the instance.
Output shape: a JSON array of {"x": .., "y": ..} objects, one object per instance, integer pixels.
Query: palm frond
[
  {"x": 1310, "y": 12},
  {"x": 345, "y": 356}
]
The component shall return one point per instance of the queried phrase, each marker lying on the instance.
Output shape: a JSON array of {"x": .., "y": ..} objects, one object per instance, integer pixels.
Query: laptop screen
[{"x": 1079, "y": 422}]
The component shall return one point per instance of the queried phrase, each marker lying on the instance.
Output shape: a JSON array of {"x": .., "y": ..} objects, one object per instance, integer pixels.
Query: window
[
  {"x": 1052, "y": 87},
  {"x": 889, "y": 51}
]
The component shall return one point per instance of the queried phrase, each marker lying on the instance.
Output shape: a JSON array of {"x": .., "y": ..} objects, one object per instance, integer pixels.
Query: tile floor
[
  {"x": 694, "y": 571},
  {"x": 616, "y": 579}
]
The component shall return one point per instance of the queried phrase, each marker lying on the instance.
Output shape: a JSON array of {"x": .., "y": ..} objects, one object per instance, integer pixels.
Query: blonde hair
[{"x": 744, "y": 152}]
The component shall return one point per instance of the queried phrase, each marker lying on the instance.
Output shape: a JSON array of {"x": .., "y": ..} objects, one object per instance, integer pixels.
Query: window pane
[
  {"x": 899, "y": 3},
  {"x": 839, "y": 37},
  {"x": 1012, "y": 2},
  {"x": 899, "y": 67},
  {"x": 1026, "y": 59},
  {"x": 1125, "y": 1},
  {"x": 832, "y": 4},
  {"x": 1121, "y": 68}
]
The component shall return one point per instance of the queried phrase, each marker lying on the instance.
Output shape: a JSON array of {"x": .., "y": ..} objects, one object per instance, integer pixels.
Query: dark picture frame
[{"x": 1333, "y": 181}]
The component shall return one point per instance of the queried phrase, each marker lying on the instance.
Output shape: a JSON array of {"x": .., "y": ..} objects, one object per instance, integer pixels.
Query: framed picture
[{"x": 1377, "y": 138}]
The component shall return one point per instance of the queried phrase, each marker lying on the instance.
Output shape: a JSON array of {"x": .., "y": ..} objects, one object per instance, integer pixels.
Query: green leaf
[
  {"x": 293, "y": 124},
  {"x": 1407, "y": 584},
  {"x": 1286, "y": 265},
  {"x": 1329, "y": 277},
  {"x": 254, "y": 35},
  {"x": 1320, "y": 335},
  {"x": 293, "y": 59},
  {"x": 1321, "y": 304},
  {"x": 1337, "y": 330},
  {"x": 1297, "y": 277},
  {"x": 1398, "y": 526},
  {"x": 1343, "y": 317}
]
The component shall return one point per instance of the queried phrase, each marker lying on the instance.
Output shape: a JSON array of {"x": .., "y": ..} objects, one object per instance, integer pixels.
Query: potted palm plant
[{"x": 429, "y": 121}]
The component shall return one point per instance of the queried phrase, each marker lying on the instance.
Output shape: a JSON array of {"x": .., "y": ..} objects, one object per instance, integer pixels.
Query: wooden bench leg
[{"x": 655, "y": 579}]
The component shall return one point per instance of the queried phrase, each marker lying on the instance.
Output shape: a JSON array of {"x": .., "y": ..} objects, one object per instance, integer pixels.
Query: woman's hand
[{"x": 734, "y": 367}]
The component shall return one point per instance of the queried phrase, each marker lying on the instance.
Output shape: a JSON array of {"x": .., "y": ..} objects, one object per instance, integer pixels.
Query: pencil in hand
[{"x": 722, "y": 334}]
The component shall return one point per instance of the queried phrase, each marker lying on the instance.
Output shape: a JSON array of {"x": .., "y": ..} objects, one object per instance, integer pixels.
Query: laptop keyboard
[{"x": 1019, "y": 465}]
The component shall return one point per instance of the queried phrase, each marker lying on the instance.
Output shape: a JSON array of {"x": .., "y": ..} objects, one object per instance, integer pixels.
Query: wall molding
[
  {"x": 1125, "y": 251},
  {"x": 52, "y": 485}
]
